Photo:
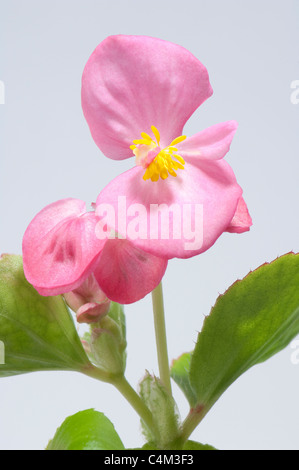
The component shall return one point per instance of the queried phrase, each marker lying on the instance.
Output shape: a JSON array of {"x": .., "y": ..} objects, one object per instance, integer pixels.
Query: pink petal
[
  {"x": 133, "y": 82},
  {"x": 127, "y": 274},
  {"x": 60, "y": 247},
  {"x": 241, "y": 221},
  {"x": 211, "y": 144},
  {"x": 204, "y": 197}
]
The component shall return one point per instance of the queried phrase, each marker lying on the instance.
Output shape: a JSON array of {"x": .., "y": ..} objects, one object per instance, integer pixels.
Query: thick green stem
[{"x": 161, "y": 341}]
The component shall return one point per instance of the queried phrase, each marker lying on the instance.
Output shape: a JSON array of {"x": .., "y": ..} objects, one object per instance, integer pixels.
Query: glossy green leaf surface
[{"x": 86, "y": 430}]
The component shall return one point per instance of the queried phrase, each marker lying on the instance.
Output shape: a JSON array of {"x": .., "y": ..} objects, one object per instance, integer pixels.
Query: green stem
[
  {"x": 135, "y": 401},
  {"x": 161, "y": 341},
  {"x": 98, "y": 374},
  {"x": 123, "y": 386},
  {"x": 193, "y": 419}
]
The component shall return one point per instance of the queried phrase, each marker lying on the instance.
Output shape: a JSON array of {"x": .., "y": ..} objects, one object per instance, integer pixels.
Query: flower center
[{"x": 158, "y": 163}]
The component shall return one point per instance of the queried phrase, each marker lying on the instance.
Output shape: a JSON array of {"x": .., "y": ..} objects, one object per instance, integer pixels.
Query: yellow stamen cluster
[{"x": 163, "y": 164}]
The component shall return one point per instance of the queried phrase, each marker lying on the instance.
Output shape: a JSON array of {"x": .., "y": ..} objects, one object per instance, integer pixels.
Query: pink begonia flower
[
  {"x": 62, "y": 255},
  {"x": 137, "y": 94}
]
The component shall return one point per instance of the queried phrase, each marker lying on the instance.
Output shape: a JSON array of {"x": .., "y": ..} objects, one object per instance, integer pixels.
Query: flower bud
[
  {"x": 108, "y": 341},
  {"x": 88, "y": 301},
  {"x": 163, "y": 408}
]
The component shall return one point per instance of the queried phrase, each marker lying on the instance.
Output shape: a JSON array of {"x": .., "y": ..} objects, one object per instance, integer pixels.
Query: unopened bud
[
  {"x": 108, "y": 345},
  {"x": 88, "y": 301},
  {"x": 163, "y": 408}
]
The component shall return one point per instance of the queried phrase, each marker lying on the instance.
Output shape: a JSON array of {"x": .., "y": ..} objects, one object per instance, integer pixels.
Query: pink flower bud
[{"x": 88, "y": 301}]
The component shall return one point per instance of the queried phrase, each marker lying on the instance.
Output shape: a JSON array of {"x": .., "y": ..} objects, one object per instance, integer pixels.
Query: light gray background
[{"x": 251, "y": 51}]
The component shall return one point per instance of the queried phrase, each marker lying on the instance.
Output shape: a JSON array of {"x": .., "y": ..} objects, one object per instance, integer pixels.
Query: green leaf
[
  {"x": 86, "y": 430},
  {"x": 256, "y": 318},
  {"x": 179, "y": 372},
  {"x": 37, "y": 333},
  {"x": 193, "y": 445}
]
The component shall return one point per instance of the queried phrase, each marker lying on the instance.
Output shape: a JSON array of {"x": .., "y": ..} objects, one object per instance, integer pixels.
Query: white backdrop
[{"x": 251, "y": 51}]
